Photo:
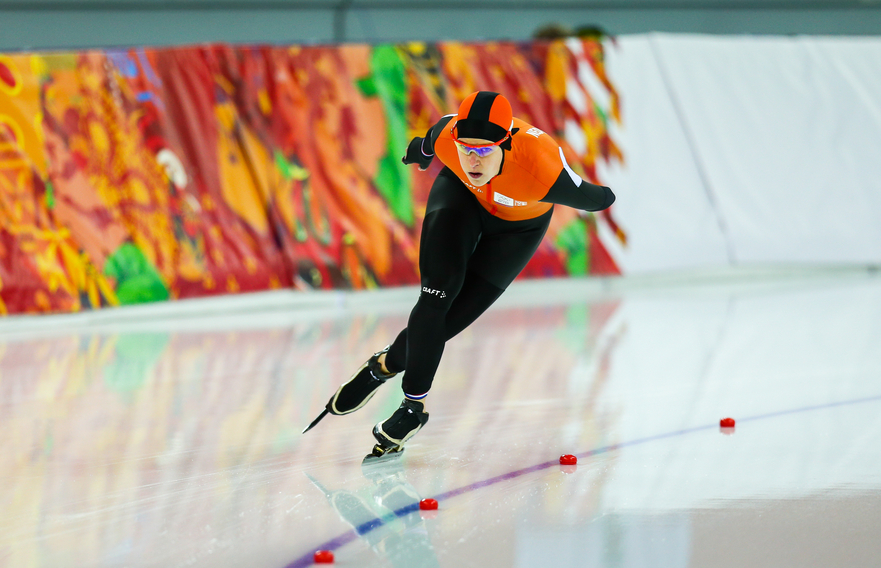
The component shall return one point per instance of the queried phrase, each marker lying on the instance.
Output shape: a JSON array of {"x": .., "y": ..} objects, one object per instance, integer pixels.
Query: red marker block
[
  {"x": 323, "y": 557},
  {"x": 727, "y": 423},
  {"x": 568, "y": 459},
  {"x": 428, "y": 505}
]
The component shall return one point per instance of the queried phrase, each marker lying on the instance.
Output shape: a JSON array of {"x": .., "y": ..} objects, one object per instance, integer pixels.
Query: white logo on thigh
[{"x": 438, "y": 293}]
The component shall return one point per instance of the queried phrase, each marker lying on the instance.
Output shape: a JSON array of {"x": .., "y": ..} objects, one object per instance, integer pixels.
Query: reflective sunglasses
[{"x": 482, "y": 150}]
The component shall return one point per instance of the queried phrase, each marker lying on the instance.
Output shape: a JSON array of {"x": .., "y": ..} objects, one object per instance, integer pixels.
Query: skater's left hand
[{"x": 415, "y": 155}]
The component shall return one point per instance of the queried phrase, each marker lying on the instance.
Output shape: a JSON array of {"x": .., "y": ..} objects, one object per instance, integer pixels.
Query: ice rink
[{"x": 171, "y": 436}]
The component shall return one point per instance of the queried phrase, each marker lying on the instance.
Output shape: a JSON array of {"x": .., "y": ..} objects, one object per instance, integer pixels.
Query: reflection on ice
[{"x": 385, "y": 515}]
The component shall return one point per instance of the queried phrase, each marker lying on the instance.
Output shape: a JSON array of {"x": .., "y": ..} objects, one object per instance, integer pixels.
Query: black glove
[{"x": 415, "y": 155}]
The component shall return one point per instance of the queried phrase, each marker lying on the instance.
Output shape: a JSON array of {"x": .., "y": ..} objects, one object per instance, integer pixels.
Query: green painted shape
[
  {"x": 388, "y": 83},
  {"x": 50, "y": 194},
  {"x": 572, "y": 240},
  {"x": 291, "y": 171},
  {"x": 367, "y": 86},
  {"x": 601, "y": 113},
  {"x": 137, "y": 280},
  {"x": 283, "y": 166}
]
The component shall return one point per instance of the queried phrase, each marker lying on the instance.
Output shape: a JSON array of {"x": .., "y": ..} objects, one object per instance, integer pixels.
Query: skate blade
[
  {"x": 316, "y": 421},
  {"x": 381, "y": 455}
]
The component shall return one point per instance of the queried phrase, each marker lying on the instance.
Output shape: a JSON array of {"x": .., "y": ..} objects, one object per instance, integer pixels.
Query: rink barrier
[
  {"x": 141, "y": 175},
  {"x": 284, "y": 307}
]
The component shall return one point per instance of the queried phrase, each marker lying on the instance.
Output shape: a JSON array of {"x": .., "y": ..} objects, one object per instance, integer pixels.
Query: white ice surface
[{"x": 138, "y": 440}]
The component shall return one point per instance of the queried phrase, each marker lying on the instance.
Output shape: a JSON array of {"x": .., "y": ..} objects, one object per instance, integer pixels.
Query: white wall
[{"x": 745, "y": 150}]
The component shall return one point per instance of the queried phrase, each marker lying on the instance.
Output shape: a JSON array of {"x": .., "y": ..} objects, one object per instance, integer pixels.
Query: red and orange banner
[{"x": 140, "y": 175}]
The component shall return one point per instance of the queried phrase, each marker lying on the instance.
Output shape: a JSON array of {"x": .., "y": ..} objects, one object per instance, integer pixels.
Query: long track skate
[
  {"x": 357, "y": 391},
  {"x": 382, "y": 455},
  {"x": 324, "y": 413},
  {"x": 392, "y": 434}
]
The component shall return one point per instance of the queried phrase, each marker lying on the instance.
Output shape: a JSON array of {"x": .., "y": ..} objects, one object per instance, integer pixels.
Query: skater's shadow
[{"x": 390, "y": 522}]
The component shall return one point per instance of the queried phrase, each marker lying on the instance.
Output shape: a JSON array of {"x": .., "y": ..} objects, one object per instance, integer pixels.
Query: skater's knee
[
  {"x": 435, "y": 297},
  {"x": 440, "y": 291}
]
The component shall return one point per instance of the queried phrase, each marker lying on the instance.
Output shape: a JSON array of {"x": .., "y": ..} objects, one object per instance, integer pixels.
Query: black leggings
[{"x": 467, "y": 258}]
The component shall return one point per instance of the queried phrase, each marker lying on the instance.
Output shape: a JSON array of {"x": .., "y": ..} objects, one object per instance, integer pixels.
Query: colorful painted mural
[{"x": 139, "y": 175}]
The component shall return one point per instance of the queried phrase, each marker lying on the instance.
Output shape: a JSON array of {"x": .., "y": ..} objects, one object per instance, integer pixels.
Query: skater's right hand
[{"x": 415, "y": 155}]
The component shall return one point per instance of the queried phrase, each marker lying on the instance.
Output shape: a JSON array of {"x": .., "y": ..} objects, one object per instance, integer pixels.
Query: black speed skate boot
[
  {"x": 392, "y": 434},
  {"x": 359, "y": 389}
]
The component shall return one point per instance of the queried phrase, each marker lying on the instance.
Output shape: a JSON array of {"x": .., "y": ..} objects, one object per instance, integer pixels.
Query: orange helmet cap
[{"x": 484, "y": 115}]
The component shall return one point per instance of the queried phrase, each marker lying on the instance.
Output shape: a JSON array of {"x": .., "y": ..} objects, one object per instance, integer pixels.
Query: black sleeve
[
  {"x": 433, "y": 133},
  {"x": 585, "y": 196}
]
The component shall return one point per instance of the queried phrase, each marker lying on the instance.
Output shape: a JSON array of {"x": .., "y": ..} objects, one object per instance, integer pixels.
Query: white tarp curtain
[{"x": 745, "y": 150}]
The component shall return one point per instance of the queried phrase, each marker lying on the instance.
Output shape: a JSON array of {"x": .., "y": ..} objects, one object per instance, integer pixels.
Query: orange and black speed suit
[{"x": 475, "y": 240}]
